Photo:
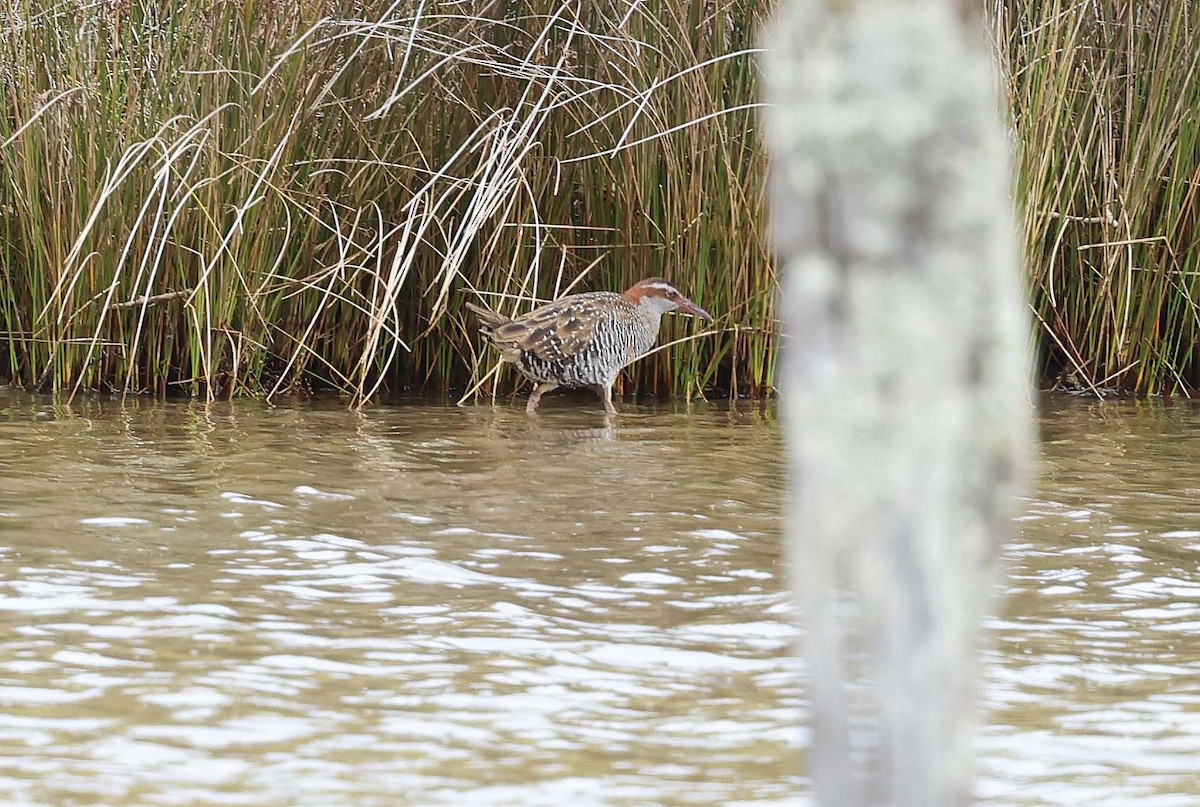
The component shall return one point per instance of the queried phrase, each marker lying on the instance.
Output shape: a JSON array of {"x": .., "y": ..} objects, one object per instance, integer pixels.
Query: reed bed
[
  {"x": 214, "y": 198},
  {"x": 1106, "y": 101}
]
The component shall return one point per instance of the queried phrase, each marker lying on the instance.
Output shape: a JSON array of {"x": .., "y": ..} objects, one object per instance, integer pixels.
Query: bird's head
[{"x": 662, "y": 297}]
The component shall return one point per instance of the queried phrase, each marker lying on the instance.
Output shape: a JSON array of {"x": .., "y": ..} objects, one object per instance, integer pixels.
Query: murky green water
[{"x": 238, "y": 605}]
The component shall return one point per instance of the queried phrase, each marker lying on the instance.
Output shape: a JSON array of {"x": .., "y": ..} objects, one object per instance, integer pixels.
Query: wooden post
[{"x": 906, "y": 391}]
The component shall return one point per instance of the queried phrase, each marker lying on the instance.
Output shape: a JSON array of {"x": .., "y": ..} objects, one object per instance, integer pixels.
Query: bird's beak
[{"x": 688, "y": 307}]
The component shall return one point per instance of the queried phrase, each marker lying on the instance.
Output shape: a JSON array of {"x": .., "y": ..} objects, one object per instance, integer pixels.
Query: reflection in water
[{"x": 235, "y": 604}]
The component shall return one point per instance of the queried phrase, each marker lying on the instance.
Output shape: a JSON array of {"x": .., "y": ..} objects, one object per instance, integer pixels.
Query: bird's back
[{"x": 579, "y": 340}]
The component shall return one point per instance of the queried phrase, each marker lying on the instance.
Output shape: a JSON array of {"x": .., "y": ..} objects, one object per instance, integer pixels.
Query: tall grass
[
  {"x": 214, "y": 198},
  {"x": 217, "y": 198},
  {"x": 1106, "y": 96}
]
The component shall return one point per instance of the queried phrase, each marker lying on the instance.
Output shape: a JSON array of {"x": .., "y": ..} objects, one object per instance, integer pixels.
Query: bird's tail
[{"x": 488, "y": 319}]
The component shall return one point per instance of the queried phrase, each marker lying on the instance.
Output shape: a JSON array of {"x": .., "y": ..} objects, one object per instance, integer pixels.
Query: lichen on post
[{"x": 906, "y": 378}]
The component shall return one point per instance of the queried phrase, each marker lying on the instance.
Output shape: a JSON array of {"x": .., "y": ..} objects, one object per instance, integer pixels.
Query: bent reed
[{"x": 216, "y": 199}]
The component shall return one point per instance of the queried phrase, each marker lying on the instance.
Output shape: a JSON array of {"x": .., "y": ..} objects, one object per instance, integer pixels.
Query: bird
[{"x": 584, "y": 340}]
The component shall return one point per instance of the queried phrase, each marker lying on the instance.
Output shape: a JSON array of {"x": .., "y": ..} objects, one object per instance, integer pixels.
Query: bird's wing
[{"x": 559, "y": 330}]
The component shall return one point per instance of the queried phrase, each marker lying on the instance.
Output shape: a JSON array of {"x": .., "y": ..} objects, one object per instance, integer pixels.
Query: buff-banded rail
[{"x": 584, "y": 340}]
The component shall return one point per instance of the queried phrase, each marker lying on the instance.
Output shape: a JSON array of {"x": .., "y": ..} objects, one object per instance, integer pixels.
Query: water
[
  {"x": 1094, "y": 681},
  {"x": 239, "y": 605}
]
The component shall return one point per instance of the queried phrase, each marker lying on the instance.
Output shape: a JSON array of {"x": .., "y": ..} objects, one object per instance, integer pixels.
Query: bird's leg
[
  {"x": 536, "y": 395},
  {"x": 609, "y": 409}
]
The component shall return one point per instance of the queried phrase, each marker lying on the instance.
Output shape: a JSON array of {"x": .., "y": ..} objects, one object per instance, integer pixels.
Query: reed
[
  {"x": 1106, "y": 96},
  {"x": 214, "y": 198},
  {"x": 211, "y": 198}
]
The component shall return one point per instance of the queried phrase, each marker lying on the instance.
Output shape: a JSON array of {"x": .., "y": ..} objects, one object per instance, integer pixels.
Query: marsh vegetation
[
  {"x": 213, "y": 197},
  {"x": 210, "y": 198}
]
